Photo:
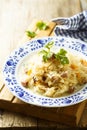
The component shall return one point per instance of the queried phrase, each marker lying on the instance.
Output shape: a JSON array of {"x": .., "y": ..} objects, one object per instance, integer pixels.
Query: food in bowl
[{"x": 53, "y": 72}]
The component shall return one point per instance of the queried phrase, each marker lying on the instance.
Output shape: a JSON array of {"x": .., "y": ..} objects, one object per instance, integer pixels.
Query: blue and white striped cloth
[{"x": 75, "y": 26}]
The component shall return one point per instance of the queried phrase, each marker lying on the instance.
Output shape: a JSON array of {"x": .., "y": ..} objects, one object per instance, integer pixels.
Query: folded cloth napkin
[{"x": 75, "y": 26}]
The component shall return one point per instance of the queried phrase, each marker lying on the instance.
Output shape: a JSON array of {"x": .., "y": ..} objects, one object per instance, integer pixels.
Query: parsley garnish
[
  {"x": 30, "y": 34},
  {"x": 46, "y": 51},
  {"x": 61, "y": 55},
  {"x": 41, "y": 25}
]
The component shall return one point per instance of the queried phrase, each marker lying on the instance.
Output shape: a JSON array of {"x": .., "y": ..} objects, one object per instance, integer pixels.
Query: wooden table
[{"x": 16, "y": 17}]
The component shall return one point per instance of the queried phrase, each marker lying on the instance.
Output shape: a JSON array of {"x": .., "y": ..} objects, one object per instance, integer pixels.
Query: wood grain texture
[
  {"x": 68, "y": 116},
  {"x": 84, "y": 4},
  {"x": 5, "y": 94},
  {"x": 17, "y": 120},
  {"x": 15, "y": 18}
]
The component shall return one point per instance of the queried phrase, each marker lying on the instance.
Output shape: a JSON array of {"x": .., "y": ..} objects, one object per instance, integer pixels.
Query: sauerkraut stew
[{"x": 53, "y": 73}]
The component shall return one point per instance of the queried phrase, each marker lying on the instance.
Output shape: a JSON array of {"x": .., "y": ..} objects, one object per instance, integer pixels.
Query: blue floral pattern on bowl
[{"x": 10, "y": 74}]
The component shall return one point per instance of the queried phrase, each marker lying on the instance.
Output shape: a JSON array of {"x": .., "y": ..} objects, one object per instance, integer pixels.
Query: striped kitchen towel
[{"x": 75, "y": 26}]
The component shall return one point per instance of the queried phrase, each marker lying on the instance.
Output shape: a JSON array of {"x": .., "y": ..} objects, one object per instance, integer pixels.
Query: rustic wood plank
[
  {"x": 10, "y": 119},
  {"x": 16, "y": 100},
  {"x": 71, "y": 114},
  {"x": 1, "y": 80},
  {"x": 67, "y": 115},
  {"x": 46, "y": 123},
  {"x": 41, "y": 113},
  {"x": 32, "y": 27},
  {"x": 5, "y": 94},
  {"x": 47, "y": 32},
  {"x": 39, "y": 33},
  {"x": 83, "y": 120},
  {"x": 52, "y": 34}
]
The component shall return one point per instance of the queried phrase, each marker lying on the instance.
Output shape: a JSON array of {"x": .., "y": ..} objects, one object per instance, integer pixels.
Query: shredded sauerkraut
[{"x": 51, "y": 78}]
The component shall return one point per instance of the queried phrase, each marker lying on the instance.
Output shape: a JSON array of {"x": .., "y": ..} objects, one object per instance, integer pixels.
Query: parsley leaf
[
  {"x": 62, "y": 52},
  {"x": 30, "y": 34},
  {"x": 46, "y": 51},
  {"x": 41, "y": 25},
  {"x": 64, "y": 60},
  {"x": 60, "y": 56},
  {"x": 49, "y": 45}
]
